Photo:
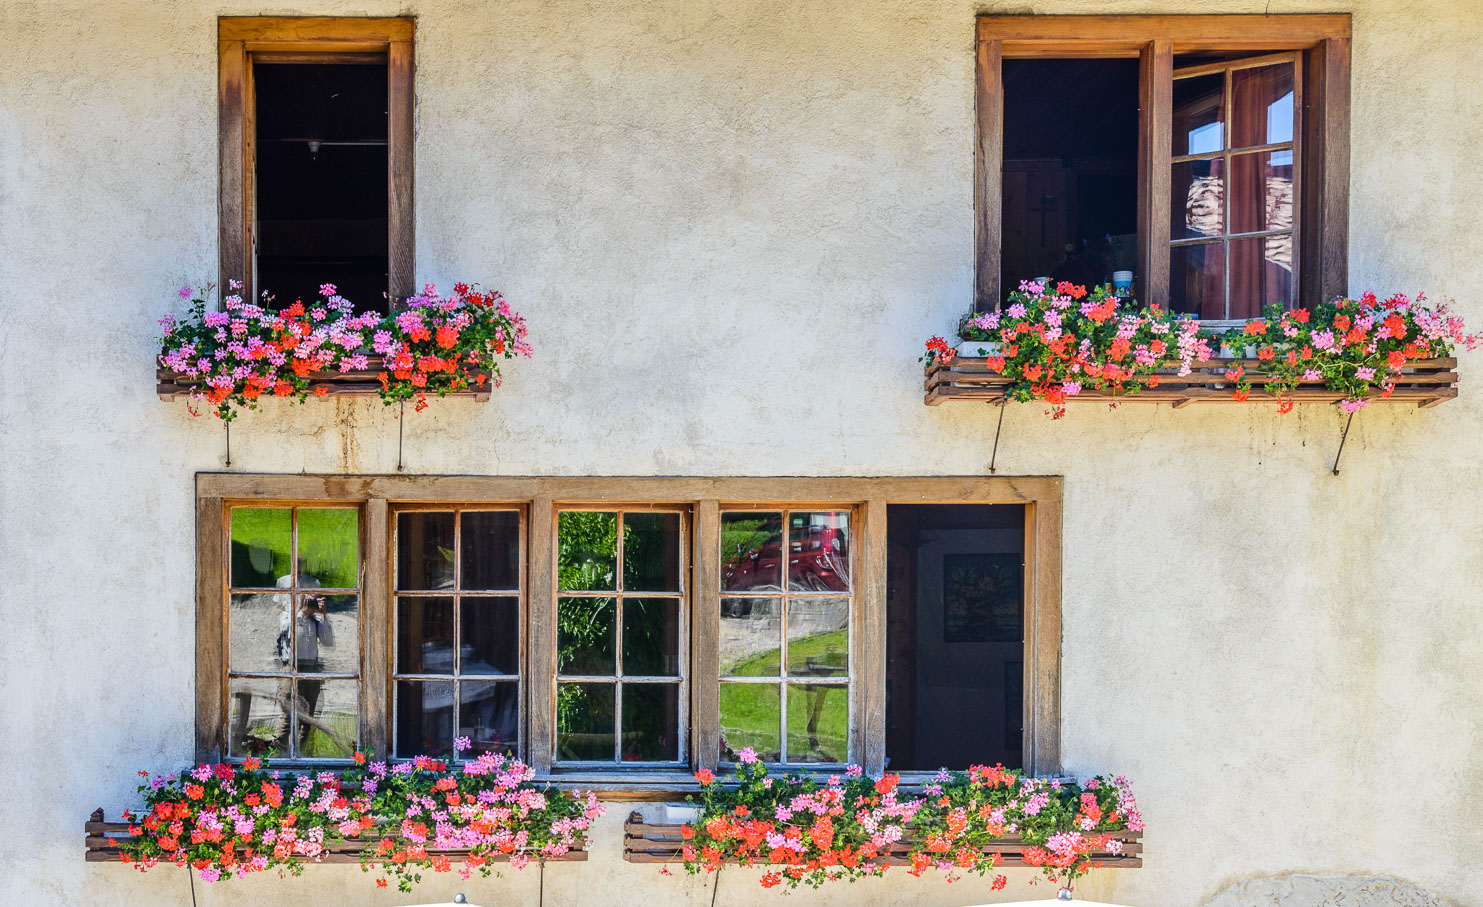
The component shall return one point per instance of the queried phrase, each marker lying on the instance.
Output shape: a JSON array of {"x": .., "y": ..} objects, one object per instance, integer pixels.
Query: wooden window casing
[
  {"x": 241, "y": 39},
  {"x": 1323, "y": 42},
  {"x": 542, "y": 498}
]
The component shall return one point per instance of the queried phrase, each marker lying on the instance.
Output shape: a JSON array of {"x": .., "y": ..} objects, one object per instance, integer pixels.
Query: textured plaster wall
[{"x": 731, "y": 224}]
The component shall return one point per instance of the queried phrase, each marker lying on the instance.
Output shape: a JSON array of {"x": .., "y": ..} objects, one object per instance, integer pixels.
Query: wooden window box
[
  {"x": 653, "y": 843},
  {"x": 171, "y": 385},
  {"x": 1424, "y": 382},
  {"x": 101, "y": 847}
]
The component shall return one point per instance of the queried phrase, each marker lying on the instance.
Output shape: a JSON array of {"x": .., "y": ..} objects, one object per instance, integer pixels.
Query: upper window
[{"x": 1206, "y": 156}]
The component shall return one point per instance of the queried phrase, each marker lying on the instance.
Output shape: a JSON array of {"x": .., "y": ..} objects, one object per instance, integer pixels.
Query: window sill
[{"x": 171, "y": 385}]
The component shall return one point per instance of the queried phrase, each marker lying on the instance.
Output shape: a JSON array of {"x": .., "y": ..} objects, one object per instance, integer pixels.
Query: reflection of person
[{"x": 312, "y": 628}]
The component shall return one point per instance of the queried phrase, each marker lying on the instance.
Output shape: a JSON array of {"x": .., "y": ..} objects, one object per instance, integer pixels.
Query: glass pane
[
  {"x": 261, "y": 540},
  {"x": 584, "y": 722},
  {"x": 651, "y": 637},
  {"x": 751, "y": 550},
  {"x": 328, "y": 711},
  {"x": 1197, "y": 280},
  {"x": 1199, "y": 114},
  {"x": 1261, "y": 273},
  {"x": 1261, "y": 191},
  {"x": 651, "y": 722},
  {"x": 491, "y": 550},
  {"x": 751, "y": 715},
  {"x": 424, "y": 718},
  {"x": 818, "y": 723},
  {"x": 490, "y": 643},
  {"x": 258, "y": 633},
  {"x": 819, "y": 560},
  {"x": 258, "y": 716},
  {"x": 751, "y": 637},
  {"x": 424, "y": 550},
  {"x": 424, "y": 635},
  {"x": 1197, "y": 206},
  {"x": 587, "y": 550},
  {"x": 584, "y": 636},
  {"x": 329, "y": 548},
  {"x": 818, "y": 637},
  {"x": 651, "y": 552},
  {"x": 1262, "y": 105},
  {"x": 327, "y": 635},
  {"x": 489, "y": 715}
]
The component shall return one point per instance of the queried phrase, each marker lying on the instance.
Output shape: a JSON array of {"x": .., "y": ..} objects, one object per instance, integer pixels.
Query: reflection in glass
[
  {"x": 329, "y": 548},
  {"x": 751, "y": 715},
  {"x": 751, "y": 552},
  {"x": 258, "y": 712},
  {"x": 1199, "y": 114},
  {"x": 1198, "y": 199},
  {"x": 584, "y": 636},
  {"x": 1261, "y": 273},
  {"x": 1262, "y": 105},
  {"x": 327, "y": 635},
  {"x": 1261, "y": 191},
  {"x": 489, "y": 715},
  {"x": 584, "y": 721},
  {"x": 257, "y": 628},
  {"x": 818, "y": 723},
  {"x": 819, "y": 552},
  {"x": 424, "y": 717},
  {"x": 818, "y": 637},
  {"x": 490, "y": 550},
  {"x": 424, "y": 635},
  {"x": 651, "y": 637},
  {"x": 261, "y": 541},
  {"x": 751, "y": 637},
  {"x": 587, "y": 550},
  {"x": 424, "y": 550},
  {"x": 651, "y": 552},
  {"x": 327, "y": 717},
  {"x": 651, "y": 718},
  {"x": 490, "y": 640},
  {"x": 1197, "y": 280}
]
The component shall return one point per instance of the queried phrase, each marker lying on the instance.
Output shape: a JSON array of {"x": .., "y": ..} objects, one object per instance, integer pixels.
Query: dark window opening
[
  {"x": 954, "y": 635},
  {"x": 1070, "y": 203},
  {"x": 321, "y": 181}
]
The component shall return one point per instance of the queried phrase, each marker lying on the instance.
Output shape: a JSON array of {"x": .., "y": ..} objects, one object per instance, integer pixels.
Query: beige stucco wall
[{"x": 730, "y": 225}]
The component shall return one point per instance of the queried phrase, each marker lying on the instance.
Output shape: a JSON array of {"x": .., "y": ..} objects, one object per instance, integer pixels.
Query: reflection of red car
[{"x": 819, "y": 562}]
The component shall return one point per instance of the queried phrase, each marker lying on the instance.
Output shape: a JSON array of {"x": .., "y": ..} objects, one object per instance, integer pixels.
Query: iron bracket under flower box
[{"x": 172, "y": 385}]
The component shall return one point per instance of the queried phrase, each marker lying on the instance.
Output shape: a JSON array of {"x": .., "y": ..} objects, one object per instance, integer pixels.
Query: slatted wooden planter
[
  {"x": 102, "y": 847},
  {"x": 171, "y": 385},
  {"x": 653, "y": 843},
  {"x": 1424, "y": 382}
]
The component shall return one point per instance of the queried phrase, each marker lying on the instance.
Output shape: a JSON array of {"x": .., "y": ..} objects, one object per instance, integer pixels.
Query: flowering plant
[
  {"x": 224, "y": 820},
  {"x": 849, "y": 826}
]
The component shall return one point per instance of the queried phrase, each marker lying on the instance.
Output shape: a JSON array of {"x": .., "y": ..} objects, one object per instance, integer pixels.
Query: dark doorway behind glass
[
  {"x": 1070, "y": 170},
  {"x": 322, "y": 181},
  {"x": 954, "y": 635}
]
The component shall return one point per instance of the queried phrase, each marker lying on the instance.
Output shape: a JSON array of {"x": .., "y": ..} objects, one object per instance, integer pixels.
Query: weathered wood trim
[
  {"x": 235, "y": 260},
  {"x": 540, "y": 635},
  {"x": 869, "y": 665},
  {"x": 376, "y": 626},
  {"x": 1155, "y": 142},
  {"x": 336, "y": 31},
  {"x": 988, "y": 176},
  {"x": 705, "y": 629},
  {"x": 400, "y": 141},
  {"x": 211, "y": 637},
  {"x": 1042, "y": 666},
  {"x": 1325, "y": 191},
  {"x": 1126, "y": 35}
]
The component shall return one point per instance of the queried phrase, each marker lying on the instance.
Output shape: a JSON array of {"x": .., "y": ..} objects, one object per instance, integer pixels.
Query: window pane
[
  {"x": 490, "y": 643},
  {"x": 1199, "y": 114},
  {"x": 651, "y": 721},
  {"x": 1261, "y": 273},
  {"x": 424, "y": 628},
  {"x": 751, "y": 715},
  {"x": 1261, "y": 191},
  {"x": 651, "y": 637},
  {"x": 1197, "y": 280},
  {"x": 261, "y": 540},
  {"x": 491, "y": 550},
  {"x": 258, "y": 716},
  {"x": 424, "y": 550},
  {"x": 489, "y": 715},
  {"x": 1262, "y": 105},
  {"x": 424, "y": 718},
  {"x": 651, "y": 552},
  {"x": 1198, "y": 205},
  {"x": 258, "y": 633},
  {"x": 818, "y": 723},
  {"x": 328, "y": 713},
  {"x": 751, "y": 552},
  {"x": 820, "y": 557},
  {"x": 584, "y": 636},
  {"x": 587, "y": 550},
  {"x": 751, "y": 637},
  {"x": 329, "y": 548},
  {"x": 327, "y": 634},
  {"x": 818, "y": 637},
  {"x": 584, "y": 722}
]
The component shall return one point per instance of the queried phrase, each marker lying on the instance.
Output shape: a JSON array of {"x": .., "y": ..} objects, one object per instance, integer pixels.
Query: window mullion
[
  {"x": 705, "y": 635},
  {"x": 867, "y": 674},
  {"x": 376, "y": 630},
  {"x": 1155, "y": 150},
  {"x": 540, "y": 693}
]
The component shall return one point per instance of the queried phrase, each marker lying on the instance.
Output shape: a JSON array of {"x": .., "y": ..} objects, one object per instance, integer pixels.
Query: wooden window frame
[
  {"x": 240, "y": 39},
  {"x": 376, "y": 496},
  {"x": 1322, "y": 231}
]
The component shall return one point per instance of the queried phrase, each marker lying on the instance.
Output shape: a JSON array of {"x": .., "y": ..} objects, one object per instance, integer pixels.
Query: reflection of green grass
[
  {"x": 319, "y": 745},
  {"x": 261, "y": 539},
  {"x": 831, "y": 649},
  {"x": 751, "y": 716}
]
